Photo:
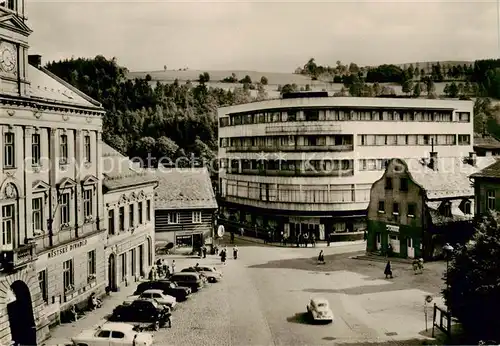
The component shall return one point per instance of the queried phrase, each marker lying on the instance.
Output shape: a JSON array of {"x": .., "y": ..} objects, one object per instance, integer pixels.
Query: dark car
[
  {"x": 191, "y": 280},
  {"x": 168, "y": 287},
  {"x": 143, "y": 311}
]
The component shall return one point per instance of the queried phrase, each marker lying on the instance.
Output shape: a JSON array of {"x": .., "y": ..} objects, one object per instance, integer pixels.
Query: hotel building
[{"x": 307, "y": 164}]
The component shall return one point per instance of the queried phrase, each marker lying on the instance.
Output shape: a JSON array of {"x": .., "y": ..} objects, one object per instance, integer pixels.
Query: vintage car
[
  {"x": 192, "y": 280},
  {"x": 112, "y": 333},
  {"x": 212, "y": 274},
  {"x": 167, "y": 287},
  {"x": 145, "y": 313},
  {"x": 158, "y": 295},
  {"x": 319, "y": 309}
]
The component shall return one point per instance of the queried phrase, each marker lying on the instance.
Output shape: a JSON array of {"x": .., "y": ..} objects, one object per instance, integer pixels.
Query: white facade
[{"x": 313, "y": 160}]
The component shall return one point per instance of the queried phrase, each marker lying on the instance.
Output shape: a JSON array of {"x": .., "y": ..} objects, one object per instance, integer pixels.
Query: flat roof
[{"x": 352, "y": 102}]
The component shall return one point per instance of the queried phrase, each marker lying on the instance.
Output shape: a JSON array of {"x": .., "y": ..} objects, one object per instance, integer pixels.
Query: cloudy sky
[{"x": 262, "y": 35}]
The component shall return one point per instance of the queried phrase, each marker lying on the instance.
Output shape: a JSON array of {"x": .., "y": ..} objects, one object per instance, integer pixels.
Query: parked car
[
  {"x": 158, "y": 295},
  {"x": 191, "y": 280},
  {"x": 168, "y": 287},
  {"x": 212, "y": 274},
  {"x": 319, "y": 309},
  {"x": 112, "y": 333},
  {"x": 147, "y": 313}
]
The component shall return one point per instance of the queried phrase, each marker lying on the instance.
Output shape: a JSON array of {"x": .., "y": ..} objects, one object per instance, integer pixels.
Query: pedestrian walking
[
  {"x": 388, "y": 270},
  {"x": 204, "y": 249},
  {"x": 365, "y": 236},
  {"x": 223, "y": 256},
  {"x": 321, "y": 258},
  {"x": 241, "y": 231},
  {"x": 165, "y": 267},
  {"x": 173, "y": 266},
  {"x": 235, "y": 252},
  {"x": 232, "y": 237}
]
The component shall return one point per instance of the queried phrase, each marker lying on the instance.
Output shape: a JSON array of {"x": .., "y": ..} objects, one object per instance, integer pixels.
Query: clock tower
[{"x": 13, "y": 48}]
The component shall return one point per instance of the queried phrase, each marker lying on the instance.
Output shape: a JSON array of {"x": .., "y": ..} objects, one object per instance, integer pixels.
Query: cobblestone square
[{"x": 263, "y": 296}]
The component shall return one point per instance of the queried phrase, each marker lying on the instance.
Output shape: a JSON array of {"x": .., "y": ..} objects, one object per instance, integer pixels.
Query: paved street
[{"x": 263, "y": 296}]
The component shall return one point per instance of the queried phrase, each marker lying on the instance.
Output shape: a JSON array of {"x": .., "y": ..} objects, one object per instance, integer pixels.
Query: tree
[
  {"x": 429, "y": 85},
  {"x": 376, "y": 89},
  {"x": 407, "y": 86},
  {"x": 246, "y": 80},
  {"x": 453, "y": 90},
  {"x": 289, "y": 88},
  {"x": 353, "y": 68},
  {"x": 148, "y": 78},
  {"x": 263, "y": 80},
  {"x": 204, "y": 78},
  {"x": 166, "y": 147},
  {"x": 473, "y": 281},
  {"x": 164, "y": 67},
  {"x": 417, "y": 90},
  {"x": 308, "y": 87},
  {"x": 261, "y": 93}
]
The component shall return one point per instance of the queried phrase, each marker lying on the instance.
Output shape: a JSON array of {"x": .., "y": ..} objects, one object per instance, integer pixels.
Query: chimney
[
  {"x": 35, "y": 60},
  {"x": 472, "y": 158},
  {"x": 433, "y": 164}
]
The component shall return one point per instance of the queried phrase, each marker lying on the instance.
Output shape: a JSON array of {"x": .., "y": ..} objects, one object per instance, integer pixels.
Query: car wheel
[{"x": 212, "y": 280}]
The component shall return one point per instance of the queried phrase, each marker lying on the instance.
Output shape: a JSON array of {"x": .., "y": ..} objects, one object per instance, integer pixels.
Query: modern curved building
[{"x": 307, "y": 164}]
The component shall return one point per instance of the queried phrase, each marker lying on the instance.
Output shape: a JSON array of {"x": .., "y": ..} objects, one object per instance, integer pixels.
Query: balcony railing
[
  {"x": 291, "y": 148},
  {"x": 297, "y": 173},
  {"x": 18, "y": 257}
]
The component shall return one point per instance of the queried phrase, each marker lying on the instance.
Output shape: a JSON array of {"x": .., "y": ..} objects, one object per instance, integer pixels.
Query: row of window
[
  {"x": 131, "y": 216},
  {"x": 286, "y": 141},
  {"x": 444, "y": 209},
  {"x": 449, "y": 139},
  {"x": 10, "y": 4},
  {"x": 9, "y": 226},
  {"x": 283, "y": 142},
  {"x": 411, "y": 208},
  {"x": 36, "y": 150},
  {"x": 289, "y": 165},
  {"x": 293, "y": 193},
  {"x": 68, "y": 275},
  {"x": 175, "y": 218},
  {"x": 344, "y": 114}
]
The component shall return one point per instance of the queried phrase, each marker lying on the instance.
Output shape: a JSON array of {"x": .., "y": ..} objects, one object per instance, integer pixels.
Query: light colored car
[
  {"x": 113, "y": 334},
  {"x": 319, "y": 309},
  {"x": 158, "y": 295},
  {"x": 209, "y": 273}
]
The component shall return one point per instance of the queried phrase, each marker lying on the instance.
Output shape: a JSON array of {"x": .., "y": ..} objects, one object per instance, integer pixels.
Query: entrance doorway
[
  {"x": 21, "y": 319},
  {"x": 411, "y": 249},
  {"x": 394, "y": 241},
  {"x": 141, "y": 260},
  {"x": 197, "y": 241},
  {"x": 112, "y": 272}
]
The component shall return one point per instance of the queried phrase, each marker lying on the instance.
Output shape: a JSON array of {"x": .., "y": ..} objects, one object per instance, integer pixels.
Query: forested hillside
[{"x": 170, "y": 120}]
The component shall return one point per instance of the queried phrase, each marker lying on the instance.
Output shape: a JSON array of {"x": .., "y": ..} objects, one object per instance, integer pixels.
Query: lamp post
[{"x": 448, "y": 250}]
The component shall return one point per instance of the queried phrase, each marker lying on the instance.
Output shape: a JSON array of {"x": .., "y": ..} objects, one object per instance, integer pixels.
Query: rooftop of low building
[
  {"x": 120, "y": 172},
  {"x": 184, "y": 188},
  {"x": 486, "y": 141},
  {"x": 450, "y": 177}
]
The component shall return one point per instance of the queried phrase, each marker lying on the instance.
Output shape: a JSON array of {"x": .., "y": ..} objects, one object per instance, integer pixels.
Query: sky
[{"x": 267, "y": 36}]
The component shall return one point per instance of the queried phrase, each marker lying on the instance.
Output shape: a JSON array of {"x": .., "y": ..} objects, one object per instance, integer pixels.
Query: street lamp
[{"x": 448, "y": 250}]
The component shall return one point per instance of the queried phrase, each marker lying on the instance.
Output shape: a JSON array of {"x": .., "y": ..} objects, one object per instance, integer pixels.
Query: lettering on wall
[
  {"x": 392, "y": 228},
  {"x": 67, "y": 248}
]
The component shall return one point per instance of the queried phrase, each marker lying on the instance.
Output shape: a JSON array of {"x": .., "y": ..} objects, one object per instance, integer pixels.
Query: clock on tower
[{"x": 14, "y": 45}]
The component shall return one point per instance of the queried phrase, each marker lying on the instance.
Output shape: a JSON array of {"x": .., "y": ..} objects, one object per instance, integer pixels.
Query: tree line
[
  {"x": 480, "y": 79},
  {"x": 163, "y": 120}
]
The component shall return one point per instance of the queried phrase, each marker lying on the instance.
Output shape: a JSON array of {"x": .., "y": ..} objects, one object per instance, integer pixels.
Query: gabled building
[
  {"x": 486, "y": 145},
  {"x": 419, "y": 205},
  {"x": 129, "y": 208},
  {"x": 487, "y": 189},
  {"x": 185, "y": 207}
]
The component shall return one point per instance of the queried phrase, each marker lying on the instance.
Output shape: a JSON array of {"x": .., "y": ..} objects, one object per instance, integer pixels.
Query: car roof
[
  {"x": 185, "y": 273},
  {"x": 122, "y": 327},
  {"x": 319, "y": 300},
  {"x": 153, "y": 291}
]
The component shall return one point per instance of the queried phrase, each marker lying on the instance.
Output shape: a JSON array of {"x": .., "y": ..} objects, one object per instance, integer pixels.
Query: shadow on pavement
[{"x": 300, "y": 318}]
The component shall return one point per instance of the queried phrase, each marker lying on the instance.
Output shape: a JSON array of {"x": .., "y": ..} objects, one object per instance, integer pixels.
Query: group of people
[
  {"x": 223, "y": 254},
  {"x": 162, "y": 269}
]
